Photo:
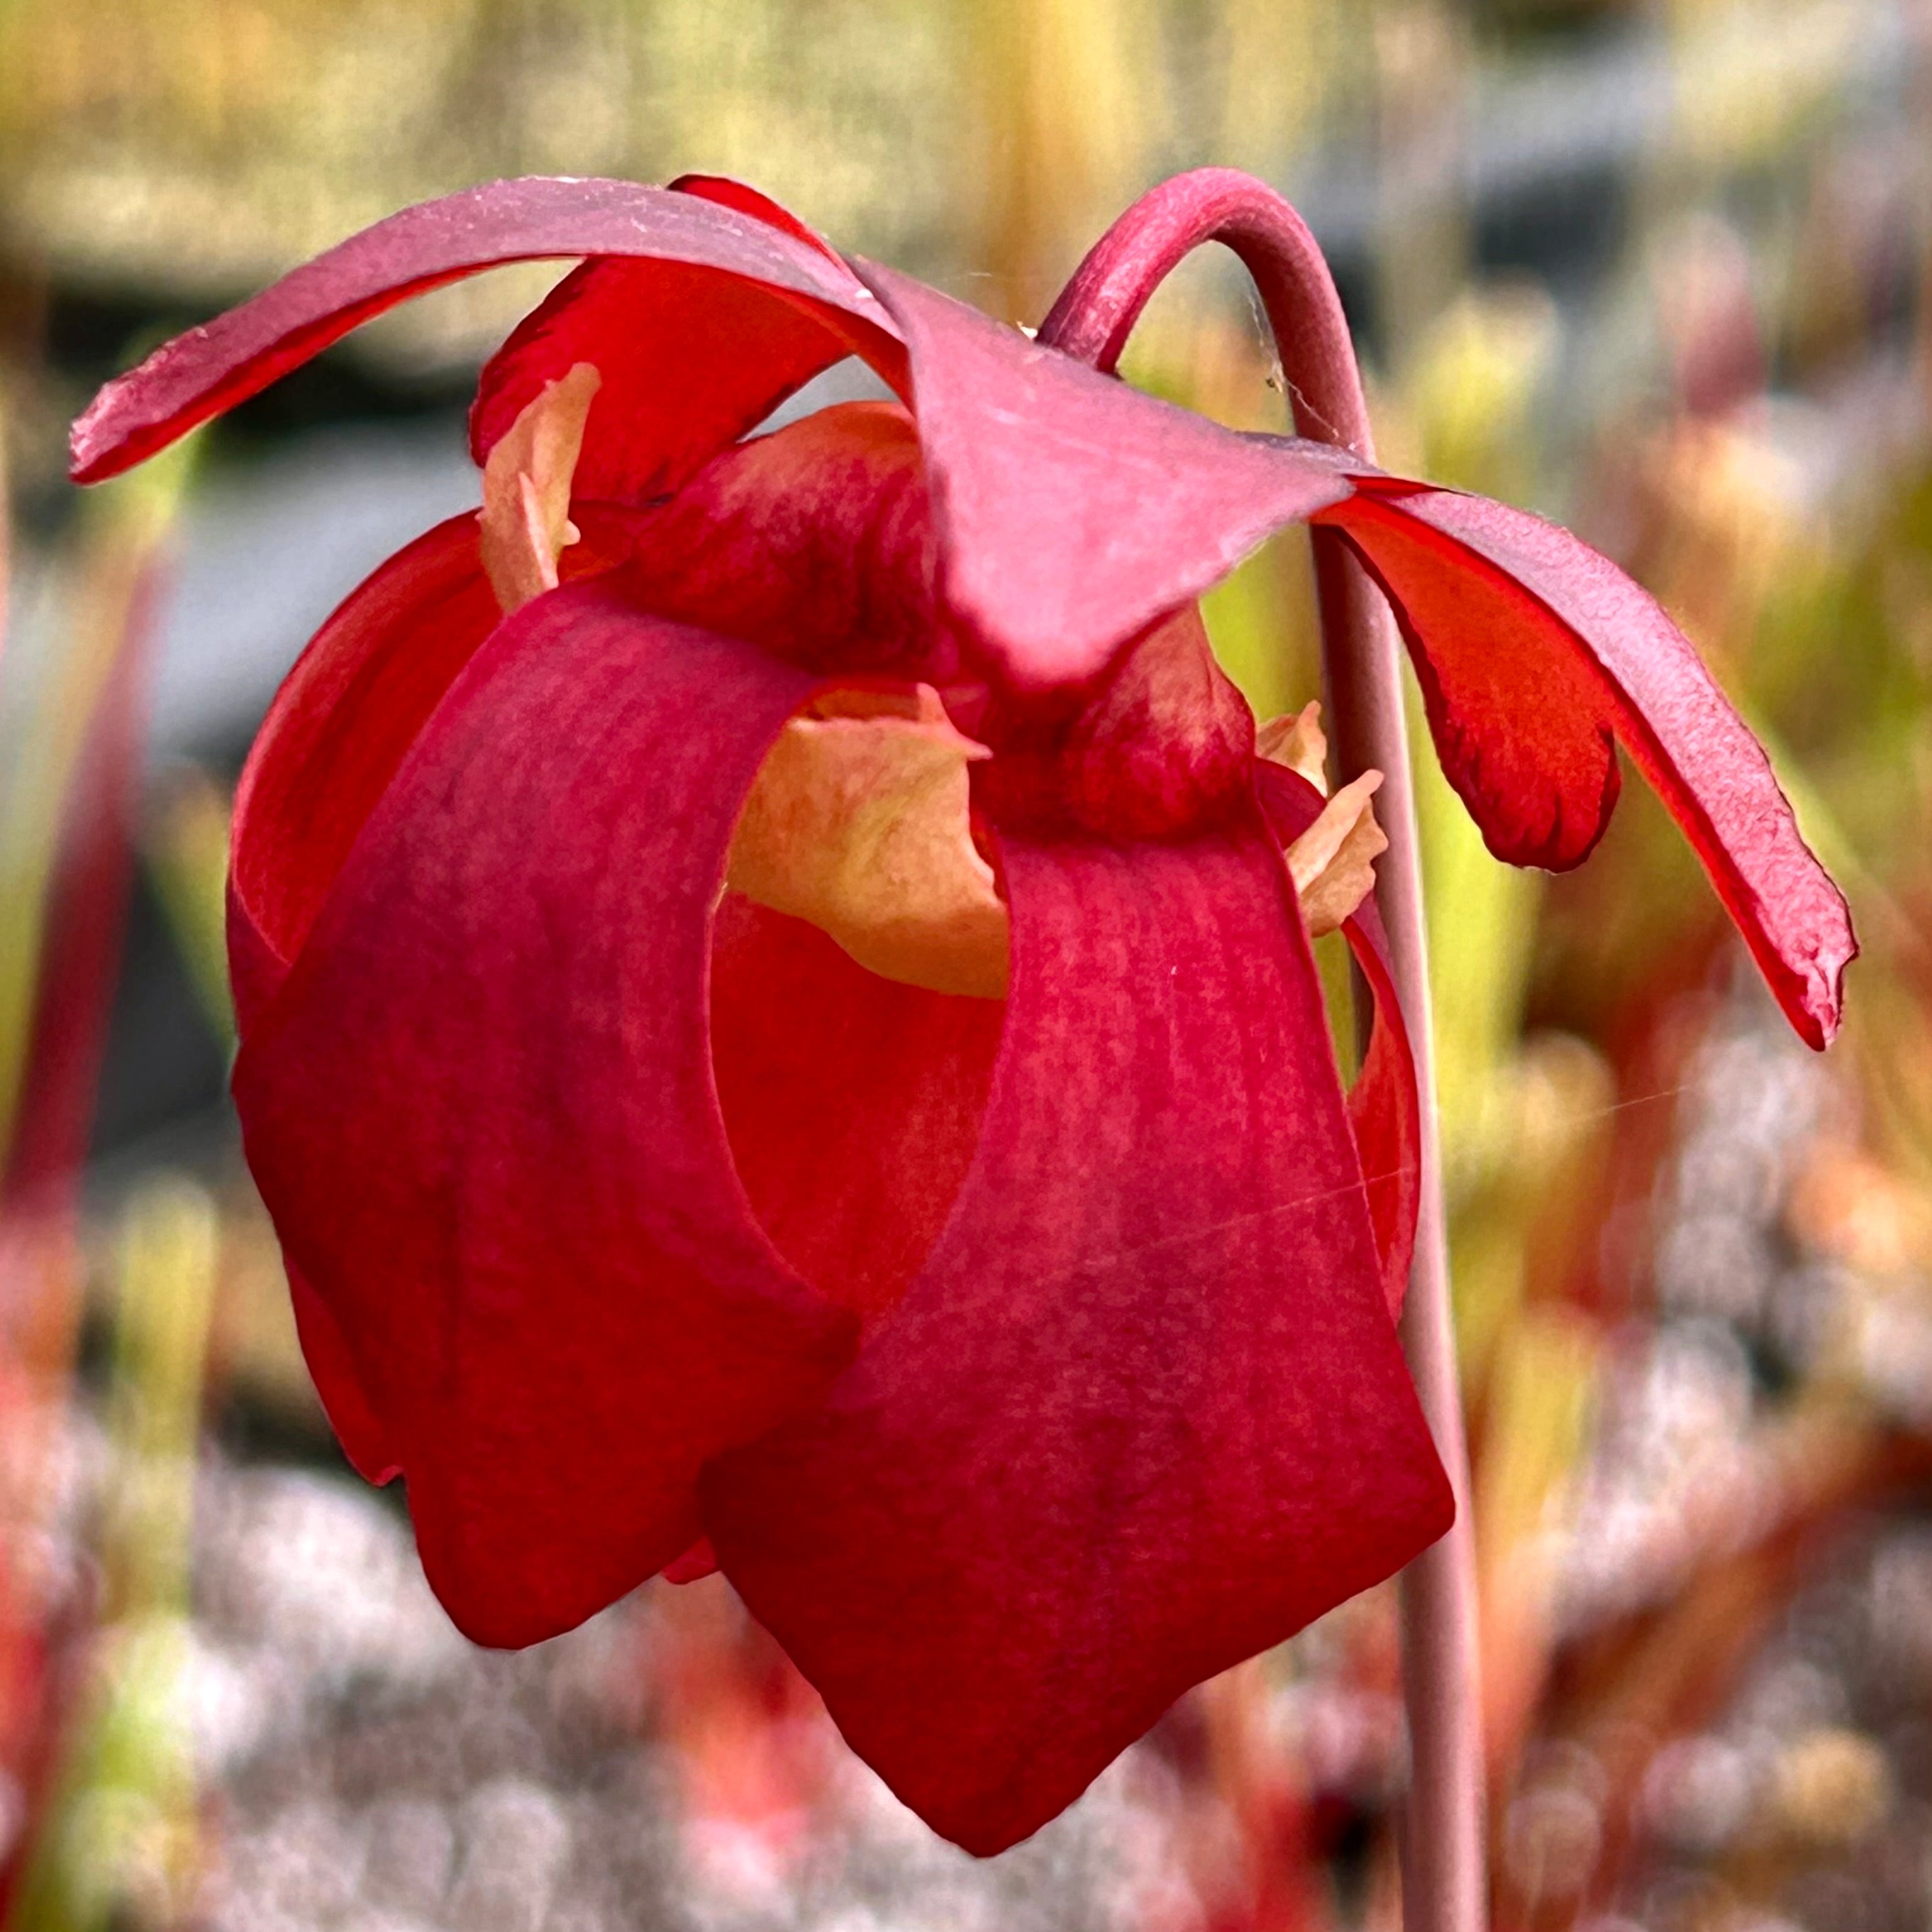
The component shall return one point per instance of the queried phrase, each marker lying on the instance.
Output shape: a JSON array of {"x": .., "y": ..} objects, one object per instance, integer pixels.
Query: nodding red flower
[{"x": 773, "y": 1011}]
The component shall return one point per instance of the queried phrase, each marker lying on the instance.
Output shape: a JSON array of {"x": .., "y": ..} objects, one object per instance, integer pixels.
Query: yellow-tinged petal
[
  {"x": 859, "y": 822},
  {"x": 526, "y": 516},
  {"x": 1298, "y": 743},
  {"x": 1333, "y": 862}
]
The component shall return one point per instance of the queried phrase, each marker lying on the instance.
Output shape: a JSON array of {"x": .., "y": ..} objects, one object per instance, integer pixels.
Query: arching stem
[{"x": 1443, "y": 1887}]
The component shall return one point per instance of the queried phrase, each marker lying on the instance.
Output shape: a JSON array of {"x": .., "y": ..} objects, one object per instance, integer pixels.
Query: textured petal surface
[
  {"x": 853, "y": 1102},
  {"x": 482, "y": 1113},
  {"x": 1164, "y": 745},
  {"x": 739, "y": 349},
  {"x": 1536, "y": 656},
  {"x": 1385, "y": 1110},
  {"x": 341, "y": 724},
  {"x": 1073, "y": 511},
  {"x": 343, "y": 720},
  {"x": 212, "y": 368},
  {"x": 814, "y": 542},
  {"x": 1143, "y": 1412}
]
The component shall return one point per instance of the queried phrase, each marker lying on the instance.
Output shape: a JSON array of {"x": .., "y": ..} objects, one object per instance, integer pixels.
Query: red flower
[{"x": 1025, "y": 1359}]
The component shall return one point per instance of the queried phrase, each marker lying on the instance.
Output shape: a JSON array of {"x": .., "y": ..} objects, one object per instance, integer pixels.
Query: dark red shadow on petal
[
  {"x": 1519, "y": 714},
  {"x": 212, "y": 368},
  {"x": 1143, "y": 1413},
  {"x": 1535, "y": 655},
  {"x": 481, "y": 1112},
  {"x": 1071, "y": 510},
  {"x": 814, "y": 542},
  {"x": 853, "y": 1103},
  {"x": 1385, "y": 1110},
  {"x": 691, "y": 357}
]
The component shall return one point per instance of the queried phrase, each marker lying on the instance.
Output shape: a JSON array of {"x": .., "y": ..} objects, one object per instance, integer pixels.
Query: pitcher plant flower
[{"x": 777, "y": 1023}]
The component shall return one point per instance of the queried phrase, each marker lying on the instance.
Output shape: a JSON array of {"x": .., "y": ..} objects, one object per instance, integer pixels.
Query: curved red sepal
[
  {"x": 1143, "y": 1413},
  {"x": 212, "y": 368},
  {"x": 1384, "y": 1109},
  {"x": 1071, "y": 510},
  {"x": 481, "y": 1110},
  {"x": 1536, "y": 656}
]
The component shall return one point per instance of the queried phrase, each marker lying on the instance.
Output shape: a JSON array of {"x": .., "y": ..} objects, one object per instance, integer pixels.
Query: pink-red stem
[{"x": 1443, "y": 1887}]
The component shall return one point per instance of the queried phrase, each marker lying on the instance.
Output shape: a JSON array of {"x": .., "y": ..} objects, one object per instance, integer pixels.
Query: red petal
[
  {"x": 739, "y": 348},
  {"x": 853, "y": 1102},
  {"x": 212, "y": 368},
  {"x": 351, "y": 1415},
  {"x": 1072, "y": 510},
  {"x": 1536, "y": 656},
  {"x": 341, "y": 724},
  {"x": 697, "y": 1563},
  {"x": 482, "y": 1113},
  {"x": 814, "y": 542},
  {"x": 747, "y": 200},
  {"x": 1384, "y": 1112},
  {"x": 1143, "y": 1413}
]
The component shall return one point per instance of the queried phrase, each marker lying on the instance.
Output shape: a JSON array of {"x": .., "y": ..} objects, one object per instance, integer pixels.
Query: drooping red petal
[
  {"x": 1071, "y": 510},
  {"x": 1143, "y": 1412},
  {"x": 341, "y": 724},
  {"x": 853, "y": 1102},
  {"x": 1536, "y": 656},
  {"x": 212, "y": 368},
  {"x": 738, "y": 348},
  {"x": 481, "y": 1112},
  {"x": 359, "y": 1429},
  {"x": 1385, "y": 1110},
  {"x": 343, "y": 720}
]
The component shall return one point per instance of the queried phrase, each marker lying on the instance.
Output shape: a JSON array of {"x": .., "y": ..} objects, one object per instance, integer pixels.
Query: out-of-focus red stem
[{"x": 1443, "y": 1888}]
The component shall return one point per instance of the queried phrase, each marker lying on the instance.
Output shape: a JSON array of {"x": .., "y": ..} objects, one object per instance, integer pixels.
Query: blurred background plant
[{"x": 1661, "y": 268}]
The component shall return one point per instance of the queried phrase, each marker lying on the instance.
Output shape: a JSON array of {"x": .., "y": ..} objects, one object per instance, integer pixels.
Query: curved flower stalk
[{"x": 777, "y": 1021}]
